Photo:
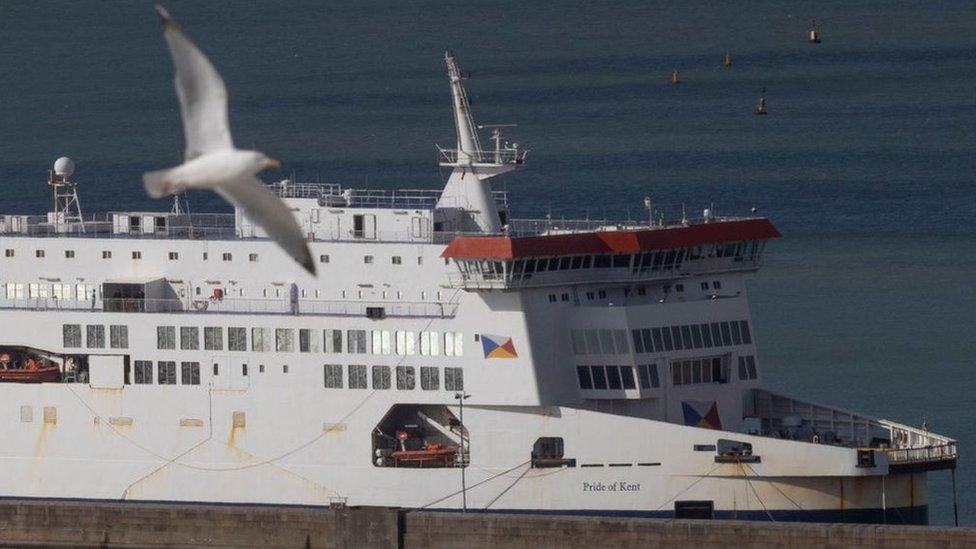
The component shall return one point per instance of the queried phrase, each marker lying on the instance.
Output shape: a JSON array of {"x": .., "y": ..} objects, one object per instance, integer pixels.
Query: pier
[{"x": 83, "y": 524}]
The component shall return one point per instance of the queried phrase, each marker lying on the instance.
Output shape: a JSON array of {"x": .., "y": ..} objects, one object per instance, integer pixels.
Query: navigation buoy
[
  {"x": 761, "y": 107},
  {"x": 675, "y": 77},
  {"x": 813, "y": 34},
  {"x": 728, "y": 59}
]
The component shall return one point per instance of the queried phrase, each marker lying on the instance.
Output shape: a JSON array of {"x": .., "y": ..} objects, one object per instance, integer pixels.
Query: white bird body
[{"x": 212, "y": 162}]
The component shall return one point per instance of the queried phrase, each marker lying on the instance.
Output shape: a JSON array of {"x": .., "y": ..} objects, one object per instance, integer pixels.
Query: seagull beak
[{"x": 272, "y": 163}]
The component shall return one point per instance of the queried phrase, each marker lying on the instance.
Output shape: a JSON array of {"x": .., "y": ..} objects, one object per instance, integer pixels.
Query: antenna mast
[{"x": 64, "y": 193}]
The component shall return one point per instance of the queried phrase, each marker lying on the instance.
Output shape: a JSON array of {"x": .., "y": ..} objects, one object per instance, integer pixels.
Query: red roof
[{"x": 623, "y": 241}]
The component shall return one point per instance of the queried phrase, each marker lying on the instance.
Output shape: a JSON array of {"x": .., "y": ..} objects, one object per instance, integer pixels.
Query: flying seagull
[{"x": 211, "y": 161}]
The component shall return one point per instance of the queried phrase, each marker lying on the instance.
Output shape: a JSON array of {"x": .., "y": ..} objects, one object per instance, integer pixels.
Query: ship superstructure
[{"x": 603, "y": 367}]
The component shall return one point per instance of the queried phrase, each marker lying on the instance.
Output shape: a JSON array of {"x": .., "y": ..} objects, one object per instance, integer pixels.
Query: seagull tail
[{"x": 159, "y": 183}]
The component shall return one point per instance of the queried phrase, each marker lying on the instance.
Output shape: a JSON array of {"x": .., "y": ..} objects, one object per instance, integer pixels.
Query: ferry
[{"x": 448, "y": 355}]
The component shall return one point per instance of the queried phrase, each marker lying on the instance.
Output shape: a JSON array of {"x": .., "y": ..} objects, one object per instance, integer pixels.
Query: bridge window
[
  {"x": 747, "y": 367},
  {"x": 647, "y": 374},
  {"x": 744, "y": 329},
  {"x": 599, "y": 377},
  {"x": 585, "y": 381},
  {"x": 699, "y": 370}
]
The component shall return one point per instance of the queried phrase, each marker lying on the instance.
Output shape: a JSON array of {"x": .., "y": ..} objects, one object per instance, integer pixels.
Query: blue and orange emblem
[
  {"x": 701, "y": 414},
  {"x": 498, "y": 346}
]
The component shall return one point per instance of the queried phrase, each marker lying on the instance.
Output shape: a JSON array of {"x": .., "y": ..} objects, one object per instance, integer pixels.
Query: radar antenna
[{"x": 64, "y": 191}]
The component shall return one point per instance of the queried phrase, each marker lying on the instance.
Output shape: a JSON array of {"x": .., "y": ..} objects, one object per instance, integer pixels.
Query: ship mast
[{"x": 467, "y": 203}]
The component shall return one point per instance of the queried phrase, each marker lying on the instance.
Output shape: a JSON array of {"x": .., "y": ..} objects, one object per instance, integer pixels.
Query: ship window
[
  {"x": 696, "y": 336},
  {"x": 694, "y": 371},
  {"x": 252, "y": 257},
  {"x": 367, "y": 259},
  {"x": 9, "y": 252},
  {"x": 72, "y": 335},
  {"x": 173, "y": 256},
  {"x": 244, "y": 370},
  {"x": 260, "y": 368},
  {"x": 717, "y": 284},
  {"x": 641, "y": 290},
  {"x": 284, "y": 368},
  {"x": 585, "y": 381},
  {"x": 599, "y": 377},
  {"x": 307, "y": 343},
  {"x": 453, "y": 344},
  {"x": 381, "y": 377},
  {"x": 552, "y": 298},
  {"x": 643, "y": 376},
  {"x": 743, "y": 373},
  {"x": 716, "y": 334},
  {"x": 39, "y": 253},
  {"x": 577, "y": 262},
  {"x": 704, "y": 285},
  {"x": 751, "y": 366},
  {"x": 686, "y": 336},
  {"x": 564, "y": 297},
  {"x": 623, "y": 260},
  {"x": 620, "y": 340},
  {"x": 613, "y": 377},
  {"x": 357, "y": 376},
  {"x": 190, "y": 373},
  {"x": 679, "y": 287},
  {"x": 405, "y": 378},
  {"x": 333, "y": 376},
  {"x": 69, "y": 254},
  {"x": 285, "y": 340},
  {"x": 332, "y": 340},
  {"x": 647, "y": 341},
  {"x": 213, "y": 338},
  {"x": 606, "y": 342},
  {"x": 429, "y": 378},
  {"x": 95, "y": 337},
  {"x": 453, "y": 379},
  {"x": 429, "y": 344},
  {"x": 675, "y": 337},
  {"x": 381, "y": 342},
  {"x": 165, "y": 337},
  {"x": 668, "y": 344},
  {"x": 736, "y": 336},
  {"x": 602, "y": 294},
  {"x": 227, "y": 256},
  {"x": 355, "y": 342},
  {"x": 593, "y": 342},
  {"x": 406, "y": 343},
  {"x": 261, "y": 339},
  {"x": 118, "y": 336},
  {"x": 189, "y": 338},
  {"x": 136, "y": 255},
  {"x": 706, "y": 335},
  {"x": 106, "y": 254},
  {"x": 205, "y": 256},
  {"x": 236, "y": 339},
  {"x": 143, "y": 372},
  {"x": 324, "y": 258},
  {"x": 396, "y": 260},
  {"x": 601, "y": 261},
  {"x": 167, "y": 372},
  {"x": 726, "y": 334},
  {"x": 579, "y": 342},
  {"x": 216, "y": 369},
  {"x": 586, "y": 261},
  {"x": 746, "y": 336},
  {"x": 627, "y": 376},
  {"x": 590, "y": 295}
]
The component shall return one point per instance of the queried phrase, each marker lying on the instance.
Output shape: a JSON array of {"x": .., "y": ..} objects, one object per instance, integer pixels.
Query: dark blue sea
[{"x": 866, "y": 161}]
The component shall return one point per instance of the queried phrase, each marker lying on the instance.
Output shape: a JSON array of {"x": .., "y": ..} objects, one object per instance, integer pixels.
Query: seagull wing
[
  {"x": 202, "y": 94},
  {"x": 268, "y": 211}
]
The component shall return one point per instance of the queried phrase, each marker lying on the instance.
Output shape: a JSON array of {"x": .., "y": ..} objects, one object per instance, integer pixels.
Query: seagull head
[{"x": 260, "y": 161}]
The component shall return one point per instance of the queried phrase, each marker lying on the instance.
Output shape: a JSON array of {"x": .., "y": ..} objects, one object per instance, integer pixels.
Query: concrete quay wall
[{"x": 50, "y": 524}]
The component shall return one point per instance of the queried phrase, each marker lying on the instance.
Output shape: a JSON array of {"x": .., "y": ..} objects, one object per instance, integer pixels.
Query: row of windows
[
  {"x": 600, "y": 342},
  {"x": 379, "y": 376},
  {"x": 142, "y": 373},
  {"x": 36, "y": 290},
  {"x": 662, "y": 260},
  {"x": 377, "y": 342},
  {"x": 699, "y": 370},
  {"x": 617, "y": 377},
  {"x": 95, "y": 336},
  {"x": 693, "y": 336}
]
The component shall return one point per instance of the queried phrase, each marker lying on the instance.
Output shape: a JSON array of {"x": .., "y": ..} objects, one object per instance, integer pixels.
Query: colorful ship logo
[{"x": 496, "y": 346}]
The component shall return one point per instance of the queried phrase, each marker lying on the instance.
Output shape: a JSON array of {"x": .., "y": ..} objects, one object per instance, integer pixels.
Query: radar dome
[{"x": 64, "y": 166}]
